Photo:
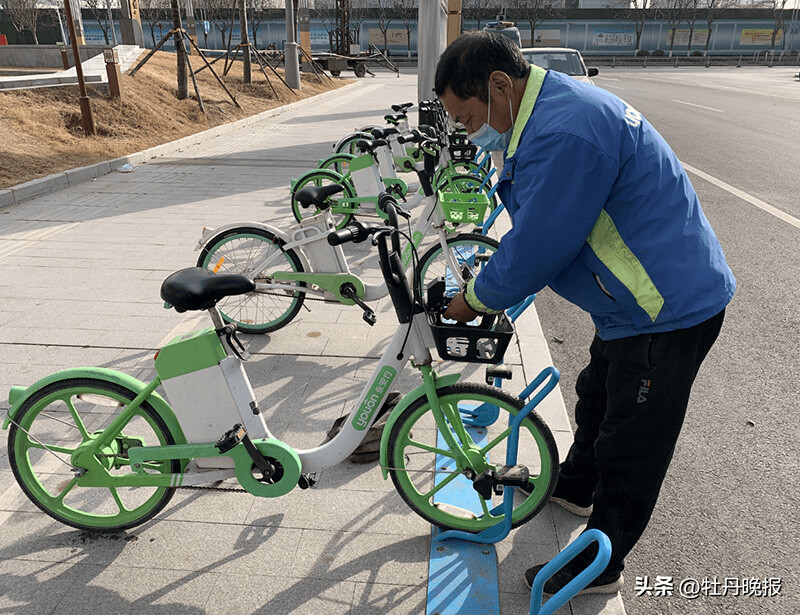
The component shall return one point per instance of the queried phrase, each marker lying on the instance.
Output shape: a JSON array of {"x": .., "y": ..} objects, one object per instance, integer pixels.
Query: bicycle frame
[
  {"x": 410, "y": 340},
  {"x": 329, "y": 268}
]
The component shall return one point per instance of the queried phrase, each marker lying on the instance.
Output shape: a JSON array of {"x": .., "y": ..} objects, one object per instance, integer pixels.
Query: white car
[{"x": 561, "y": 59}]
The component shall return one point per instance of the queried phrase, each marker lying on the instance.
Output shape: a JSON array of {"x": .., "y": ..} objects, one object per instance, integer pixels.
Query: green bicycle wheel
[
  {"x": 339, "y": 163},
  {"x": 470, "y": 252},
  {"x": 240, "y": 250},
  {"x": 416, "y": 459},
  {"x": 323, "y": 177},
  {"x": 50, "y": 426}
]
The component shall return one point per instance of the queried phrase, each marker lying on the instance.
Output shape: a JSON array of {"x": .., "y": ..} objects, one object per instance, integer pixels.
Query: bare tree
[
  {"x": 257, "y": 14},
  {"x": 358, "y": 14},
  {"x": 385, "y": 17},
  {"x": 674, "y": 12},
  {"x": 638, "y": 11},
  {"x": 408, "y": 11},
  {"x": 691, "y": 17},
  {"x": 477, "y": 9},
  {"x": 535, "y": 12},
  {"x": 778, "y": 25},
  {"x": 156, "y": 13},
  {"x": 712, "y": 9},
  {"x": 220, "y": 13},
  {"x": 325, "y": 12},
  {"x": 100, "y": 13},
  {"x": 23, "y": 16}
]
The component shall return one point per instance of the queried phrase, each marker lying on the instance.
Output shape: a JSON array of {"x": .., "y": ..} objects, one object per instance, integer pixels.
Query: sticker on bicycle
[{"x": 374, "y": 397}]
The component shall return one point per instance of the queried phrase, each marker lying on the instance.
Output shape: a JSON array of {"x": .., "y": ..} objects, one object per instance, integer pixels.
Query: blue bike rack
[
  {"x": 589, "y": 574},
  {"x": 499, "y": 531}
]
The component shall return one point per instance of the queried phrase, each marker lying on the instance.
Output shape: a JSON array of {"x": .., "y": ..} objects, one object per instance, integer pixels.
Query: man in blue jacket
[{"x": 604, "y": 214}]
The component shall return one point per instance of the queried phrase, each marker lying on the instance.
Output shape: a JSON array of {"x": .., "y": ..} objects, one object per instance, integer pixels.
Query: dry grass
[{"x": 40, "y": 130}]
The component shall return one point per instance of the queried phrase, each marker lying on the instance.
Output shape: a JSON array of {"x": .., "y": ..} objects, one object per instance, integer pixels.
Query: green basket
[{"x": 463, "y": 207}]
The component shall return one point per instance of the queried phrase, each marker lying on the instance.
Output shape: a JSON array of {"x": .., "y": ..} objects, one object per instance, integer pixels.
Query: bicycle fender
[
  {"x": 18, "y": 395},
  {"x": 209, "y": 234},
  {"x": 408, "y": 399}
]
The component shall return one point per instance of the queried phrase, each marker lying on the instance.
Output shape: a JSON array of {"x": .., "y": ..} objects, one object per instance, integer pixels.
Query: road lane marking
[
  {"x": 683, "y": 102},
  {"x": 778, "y": 213},
  {"x": 607, "y": 78}
]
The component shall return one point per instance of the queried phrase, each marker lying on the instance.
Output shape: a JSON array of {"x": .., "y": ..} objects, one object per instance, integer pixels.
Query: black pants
[{"x": 632, "y": 400}]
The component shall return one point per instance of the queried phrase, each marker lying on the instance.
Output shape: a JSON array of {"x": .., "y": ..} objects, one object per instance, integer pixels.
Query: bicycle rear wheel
[
  {"x": 417, "y": 455},
  {"x": 240, "y": 250},
  {"x": 54, "y": 422}
]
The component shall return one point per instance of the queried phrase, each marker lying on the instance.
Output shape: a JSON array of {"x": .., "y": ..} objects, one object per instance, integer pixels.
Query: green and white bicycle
[
  {"x": 366, "y": 176},
  {"x": 99, "y": 450},
  {"x": 290, "y": 266}
]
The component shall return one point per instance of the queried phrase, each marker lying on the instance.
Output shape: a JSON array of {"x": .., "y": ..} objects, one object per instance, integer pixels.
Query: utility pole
[
  {"x": 111, "y": 23},
  {"x": 291, "y": 61},
  {"x": 87, "y": 118}
]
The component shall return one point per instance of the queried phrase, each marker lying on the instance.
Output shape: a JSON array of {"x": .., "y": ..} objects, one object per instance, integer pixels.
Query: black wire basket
[{"x": 483, "y": 341}]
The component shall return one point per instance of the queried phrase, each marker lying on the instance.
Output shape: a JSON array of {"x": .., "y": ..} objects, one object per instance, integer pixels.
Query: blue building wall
[{"x": 591, "y": 37}]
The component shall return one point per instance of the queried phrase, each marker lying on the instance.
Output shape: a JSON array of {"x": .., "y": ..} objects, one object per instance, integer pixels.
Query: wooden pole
[
  {"x": 245, "y": 42},
  {"x": 87, "y": 117},
  {"x": 177, "y": 26}
]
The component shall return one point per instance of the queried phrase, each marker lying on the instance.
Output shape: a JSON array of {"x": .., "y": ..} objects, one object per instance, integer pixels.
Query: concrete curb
[{"x": 58, "y": 181}]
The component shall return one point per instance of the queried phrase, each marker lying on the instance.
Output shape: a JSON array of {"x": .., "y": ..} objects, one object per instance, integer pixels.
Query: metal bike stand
[
  {"x": 587, "y": 575},
  {"x": 496, "y": 533}
]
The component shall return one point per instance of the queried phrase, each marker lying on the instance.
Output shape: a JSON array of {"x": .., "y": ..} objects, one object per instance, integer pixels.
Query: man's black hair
[{"x": 466, "y": 64}]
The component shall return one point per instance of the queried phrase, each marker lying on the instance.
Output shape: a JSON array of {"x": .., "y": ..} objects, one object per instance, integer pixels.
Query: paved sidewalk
[{"x": 80, "y": 277}]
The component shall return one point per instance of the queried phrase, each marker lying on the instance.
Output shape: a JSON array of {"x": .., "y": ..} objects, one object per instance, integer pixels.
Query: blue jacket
[{"x": 604, "y": 214}]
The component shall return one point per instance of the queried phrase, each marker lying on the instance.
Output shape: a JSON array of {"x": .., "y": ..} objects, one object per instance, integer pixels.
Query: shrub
[
  {"x": 659, "y": 52},
  {"x": 696, "y": 53},
  {"x": 643, "y": 52}
]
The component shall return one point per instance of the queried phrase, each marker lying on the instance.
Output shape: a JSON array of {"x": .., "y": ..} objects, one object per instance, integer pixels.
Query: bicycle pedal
[
  {"x": 230, "y": 438},
  {"x": 513, "y": 476},
  {"x": 308, "y": 480}
]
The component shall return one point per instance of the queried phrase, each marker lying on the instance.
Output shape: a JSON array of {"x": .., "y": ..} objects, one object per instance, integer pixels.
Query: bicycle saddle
[
  {"x": 402, "y": 108},
  {"x": 382, "y": 133},
  {"x": 370, "y": 145},
  {"x": 395, "y": 118},
  {"x": 317, "y": 195},
  {"x": 196, "y": 288}
]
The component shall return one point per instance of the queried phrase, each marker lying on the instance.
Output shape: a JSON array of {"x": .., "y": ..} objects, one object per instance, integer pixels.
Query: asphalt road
[{"x": 728, "y": 508}]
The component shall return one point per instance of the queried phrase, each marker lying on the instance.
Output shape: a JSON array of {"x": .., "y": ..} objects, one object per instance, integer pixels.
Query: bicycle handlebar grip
[
  {"x": 348, "y": 233},
  {"x": 411, "y": 137}
]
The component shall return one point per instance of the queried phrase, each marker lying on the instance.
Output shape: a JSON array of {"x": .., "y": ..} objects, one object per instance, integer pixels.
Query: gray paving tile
[
  {"x": 257, "y": 595},
  {"x": 124, "y": 590},
  {"x": 33, "y": 588},
  {"x": 350, "y": 510},
  {"x": 388, "y": 599},
  {"x": 357, "y": 556}
]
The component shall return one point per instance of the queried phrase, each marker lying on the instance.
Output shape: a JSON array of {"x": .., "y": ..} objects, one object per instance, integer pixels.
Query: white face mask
[{"x": 487, "y": 137}]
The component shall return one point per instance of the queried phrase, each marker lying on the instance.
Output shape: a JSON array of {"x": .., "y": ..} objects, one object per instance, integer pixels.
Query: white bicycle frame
[
  {"x": 204, "y": 418},
  {"x": 309, "y": 239}
]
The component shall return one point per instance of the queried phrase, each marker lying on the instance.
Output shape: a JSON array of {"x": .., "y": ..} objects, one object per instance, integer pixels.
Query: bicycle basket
[
  {"x": 483, "y": 342},
  {"x": 463, "y": 207}
]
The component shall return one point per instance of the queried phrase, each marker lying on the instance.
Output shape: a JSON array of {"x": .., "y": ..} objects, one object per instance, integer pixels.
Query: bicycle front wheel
[
  {"x": 468, "y": 254},
  {"x": 242, "y": 250},
  {"x": 51, "y": 425},
  {"x": 422, "y": 465}
]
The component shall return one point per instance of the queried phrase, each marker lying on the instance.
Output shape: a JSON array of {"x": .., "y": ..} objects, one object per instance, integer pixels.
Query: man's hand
[{"x": 459, "y": 310}]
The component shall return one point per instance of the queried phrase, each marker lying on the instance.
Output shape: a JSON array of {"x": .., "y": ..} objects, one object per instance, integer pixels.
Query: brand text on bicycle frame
[{"x": 374, "y": 396}]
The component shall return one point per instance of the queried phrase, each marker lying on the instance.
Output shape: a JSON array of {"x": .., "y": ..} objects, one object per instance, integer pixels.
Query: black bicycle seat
[
  {"x": 196, "y": 288},
  {"x": 370, "y": 145},
  {"x": 317, "y": 195},
  {"x": 402, "y": 108},
  {"x": 382, "y": 133}
]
